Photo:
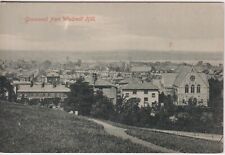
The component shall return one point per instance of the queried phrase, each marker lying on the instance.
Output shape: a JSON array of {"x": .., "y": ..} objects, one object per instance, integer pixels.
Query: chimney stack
[
  {"x": 31, "y": 84},
  {"x": 43, "y": 84}
]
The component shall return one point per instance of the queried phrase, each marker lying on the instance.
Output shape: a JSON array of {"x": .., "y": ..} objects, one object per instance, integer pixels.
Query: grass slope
[
  {"x": 174, "y": 142},
  {"x": 179, "y": 143},
  {"x": 34, "y": 129}
]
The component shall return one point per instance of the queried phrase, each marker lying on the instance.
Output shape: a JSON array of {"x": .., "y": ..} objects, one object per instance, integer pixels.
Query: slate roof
[
  {"x": 168, "y": 79},
  {"x": 141, "y": 68},
  {"x": 99, "y": 82},
  {"x": 21, "y": 83},
  {"x": 142, "y": 86},
  {"x": 184, "y": 70},
  {"x": 52, "y": 74},
  {"x": 123, "y": 82},
  {"x": 46, "y": 88}
]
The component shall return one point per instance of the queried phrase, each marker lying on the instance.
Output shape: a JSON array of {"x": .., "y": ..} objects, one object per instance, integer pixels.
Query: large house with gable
[
  {"x": 187, "y": 85},
  {"x": 190, "y": 84}
]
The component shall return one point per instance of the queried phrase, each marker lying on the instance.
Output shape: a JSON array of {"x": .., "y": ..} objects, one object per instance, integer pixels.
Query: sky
[{"x": 114, "y": 27}]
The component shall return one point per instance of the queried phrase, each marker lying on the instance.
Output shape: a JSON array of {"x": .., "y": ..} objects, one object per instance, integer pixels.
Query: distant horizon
[{"x": 114, "y": 56}]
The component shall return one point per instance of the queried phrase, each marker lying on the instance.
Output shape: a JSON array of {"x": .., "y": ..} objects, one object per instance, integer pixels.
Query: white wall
[{"x": 140, "y": 94}]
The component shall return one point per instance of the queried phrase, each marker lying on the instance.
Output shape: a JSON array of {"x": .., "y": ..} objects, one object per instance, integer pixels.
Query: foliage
[
  {"x": 216, "y": 102},
  {"x": 80, "y": 97},
  {"x": 102, "y": 107},
  {"x": 129, "y": 111},
  {"x": 6, "y": 87}
]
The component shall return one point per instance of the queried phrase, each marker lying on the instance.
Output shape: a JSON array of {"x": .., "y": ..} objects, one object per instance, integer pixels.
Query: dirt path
[
  {"x": 205, "y": 136},
  {"x": 120, "y": 132}
]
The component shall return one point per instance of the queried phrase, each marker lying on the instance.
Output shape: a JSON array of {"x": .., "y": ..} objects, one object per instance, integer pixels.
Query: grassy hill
[{"x": 26, "y": 128}]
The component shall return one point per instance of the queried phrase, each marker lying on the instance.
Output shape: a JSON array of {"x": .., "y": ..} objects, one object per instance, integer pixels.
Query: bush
[{"x": 102, "y": 107}]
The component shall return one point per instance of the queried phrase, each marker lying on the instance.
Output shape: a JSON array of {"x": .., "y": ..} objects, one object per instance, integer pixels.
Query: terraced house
[{"x": 42, "y": 91}]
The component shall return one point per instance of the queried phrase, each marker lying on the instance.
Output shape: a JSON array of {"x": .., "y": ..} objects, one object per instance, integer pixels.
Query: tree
[
  {"x": 79, "y": 62},
  {"x": 6, "y": 89},
  {"x": 130, "y": 111},
  {"x": 102, "y": 106},
  {"x": 216, "y": 101},
  {"x": 80, "y": 98},
  {"x": 119, "y": 104}
]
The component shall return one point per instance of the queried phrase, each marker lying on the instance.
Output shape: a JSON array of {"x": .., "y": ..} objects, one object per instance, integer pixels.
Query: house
[
  {"x": 140, "y": 70},
  {"x": 53, "y": 77},
  {"x": 42, "y": 91},
  {"x": 16, "y": 84},
  {"x": 191, "y": 85},
  {"x": 147, "y": 92},
  {"x": 108, "y": 89},
  {"x": 167, "y": 82},
  {"x": 187, "y": 85}
]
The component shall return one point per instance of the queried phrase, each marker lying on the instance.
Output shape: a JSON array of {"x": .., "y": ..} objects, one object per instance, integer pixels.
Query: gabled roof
[
  {"x": 184, "y": 70},
  {"x": 168, "y": 79},
  {"x": 142, "y": 86}
]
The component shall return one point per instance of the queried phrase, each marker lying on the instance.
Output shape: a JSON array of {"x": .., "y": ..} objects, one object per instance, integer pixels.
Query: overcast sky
[{"x": 117, "y": 26}]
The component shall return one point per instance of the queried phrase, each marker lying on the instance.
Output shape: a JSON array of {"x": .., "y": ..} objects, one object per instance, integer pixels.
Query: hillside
[{"x": 34, "y": 129}]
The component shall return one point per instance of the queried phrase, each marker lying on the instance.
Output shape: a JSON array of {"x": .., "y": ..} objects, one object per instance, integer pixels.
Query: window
[
  {"x": 198, "y": 89},
  {"x": 192, "y": 89},
  {"x": 145, "y": 99},
  {"x": 153, "y": 95},
  {"x": 186, "y": 89},
  {"x": 127, "y": 95},
  {"x": 134, "y": 91},
  {"x": 184, "y": 102},
  {"x": 111, "y": 100},
  {"x": 192, "y": 78},
  {"x": 145, "y": 91}
]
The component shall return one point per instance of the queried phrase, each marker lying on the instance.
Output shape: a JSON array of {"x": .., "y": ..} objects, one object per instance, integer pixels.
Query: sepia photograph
[{"x": 111, "y": 77}]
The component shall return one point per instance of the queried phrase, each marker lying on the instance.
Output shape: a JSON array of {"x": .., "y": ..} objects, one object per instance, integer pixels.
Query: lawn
[
  {"x": 178, "y": 143},
  {"x": 174, "y": 142},
  {"x": 34, "y": 129}
]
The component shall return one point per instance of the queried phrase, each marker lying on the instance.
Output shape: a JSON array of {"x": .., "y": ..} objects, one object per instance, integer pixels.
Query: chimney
[
  {"x": 54, "y": 85},
  {"x": 31, "y": 84}
]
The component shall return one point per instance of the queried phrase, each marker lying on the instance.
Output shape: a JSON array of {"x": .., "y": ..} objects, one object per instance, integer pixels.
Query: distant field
[
  {"x": 178, "y": 143},
  {"x": 26, "y": 128}
]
